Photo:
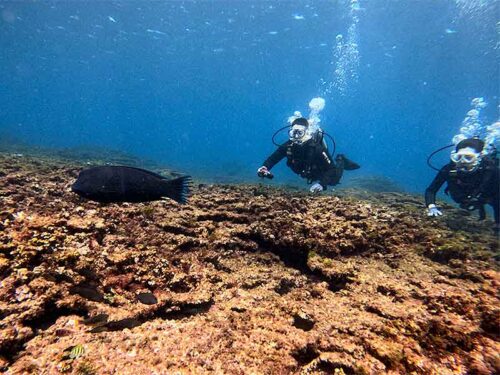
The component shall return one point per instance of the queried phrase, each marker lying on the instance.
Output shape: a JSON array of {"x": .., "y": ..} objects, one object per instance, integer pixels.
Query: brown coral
[{"x": 243, "y": 279}]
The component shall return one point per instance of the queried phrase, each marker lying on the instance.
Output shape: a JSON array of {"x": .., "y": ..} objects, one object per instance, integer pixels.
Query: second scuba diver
[
  {"x": 308, "y": 156},
  {"x": 472, "y": 178}
]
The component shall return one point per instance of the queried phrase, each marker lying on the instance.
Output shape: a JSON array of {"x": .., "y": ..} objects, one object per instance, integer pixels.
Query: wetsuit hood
[
  {"x": 300, "y": 121},
  {"x": 474, "y": 143}
]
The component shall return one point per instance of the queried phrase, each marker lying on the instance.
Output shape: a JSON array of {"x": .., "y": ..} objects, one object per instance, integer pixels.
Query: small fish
[
  {"x": 450, "y": 31},
  {"x": 87, "y": 292},
  {"x": 147, "y": 298},
  {"x": 111, "y": 19},
  {"x": 98, "y": 319},
  {"x": 74, "y": 352},
  {"x": 117, "y": 325},
  {"x": 77, "y": 351},
  {"x": 127, "y": 184}
]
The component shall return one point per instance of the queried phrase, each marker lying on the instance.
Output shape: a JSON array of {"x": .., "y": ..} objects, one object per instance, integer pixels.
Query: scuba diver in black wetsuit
[
  {"x": 473, "y": 180},
  {"x": 308, "y": 156}
]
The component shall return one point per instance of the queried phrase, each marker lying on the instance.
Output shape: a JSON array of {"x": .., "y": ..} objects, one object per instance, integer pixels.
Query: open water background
[{"x": 203, "y": 85}]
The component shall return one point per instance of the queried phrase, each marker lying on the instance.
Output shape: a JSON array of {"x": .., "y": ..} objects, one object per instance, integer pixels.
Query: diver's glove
[
  {"x": 263, "y": 172},
  {"x": 316, "y": 188},
  {"x": 432, "y": 210}
]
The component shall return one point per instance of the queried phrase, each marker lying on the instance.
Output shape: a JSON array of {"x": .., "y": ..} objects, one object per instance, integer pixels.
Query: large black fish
[{"x": 128, "y": 184}]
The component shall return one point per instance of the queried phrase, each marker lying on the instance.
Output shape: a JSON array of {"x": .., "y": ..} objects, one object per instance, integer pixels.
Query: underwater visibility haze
[{"x": 202, "y": 85}]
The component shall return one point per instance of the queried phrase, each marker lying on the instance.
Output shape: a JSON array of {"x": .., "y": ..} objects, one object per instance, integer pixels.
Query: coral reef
[
  {"x": 373, "y": 183},
  {"x": 243, "y": 279}
]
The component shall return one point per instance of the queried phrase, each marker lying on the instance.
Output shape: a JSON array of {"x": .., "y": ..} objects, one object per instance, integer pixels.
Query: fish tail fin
[{"x": 178, "y": 189}]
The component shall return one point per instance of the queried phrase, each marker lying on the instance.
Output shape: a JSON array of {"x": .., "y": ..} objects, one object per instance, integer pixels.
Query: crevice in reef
[
  {"x": 329, "y": 367},
  {"x": 306, "y": 355},
  {"x": 303, "y": 322},
  {"x": 297, "y": 258},
  {"x": 117, "y": 325},
  {"x": 176, "y": 229},
  {"x": 337, "y": 282},
  {"x": 184, "y": 311},
  {"x": 168, "y": 311},
  {"x": 49, "y": 316},
  {"x": 42, "y": 321},
  {"x": 38, "y": 259},
  {"x": 12, "y": 348},
  {"x": 292, "y": 257},
  {"x": 215, "y": 261}
]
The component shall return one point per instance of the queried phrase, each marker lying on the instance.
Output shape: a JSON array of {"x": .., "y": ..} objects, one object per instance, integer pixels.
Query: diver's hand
[
  {"x": 432, "y": 210},
  {"x": 316, "y": 188},
  {"x": 263, "y": 172}
]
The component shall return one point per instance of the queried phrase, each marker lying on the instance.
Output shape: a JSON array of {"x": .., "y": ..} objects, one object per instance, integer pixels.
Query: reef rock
[{"x": 243, "y": 279}]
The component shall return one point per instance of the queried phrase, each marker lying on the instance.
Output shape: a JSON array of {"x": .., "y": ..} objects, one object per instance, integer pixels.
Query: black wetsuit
[
  {"x": 310, "y": 160},
  {"x": 471, "y": 190}
]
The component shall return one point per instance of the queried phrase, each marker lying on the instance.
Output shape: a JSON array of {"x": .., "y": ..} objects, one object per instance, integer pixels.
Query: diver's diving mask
[
  {"x": 466, "y": 159},
  {"x": 297, "y": 133}
]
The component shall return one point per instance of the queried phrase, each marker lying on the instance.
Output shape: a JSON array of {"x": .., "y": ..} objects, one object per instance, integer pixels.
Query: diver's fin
[
  {"x": 177, "y": 189},
  {"x": 348, "y": 165}
]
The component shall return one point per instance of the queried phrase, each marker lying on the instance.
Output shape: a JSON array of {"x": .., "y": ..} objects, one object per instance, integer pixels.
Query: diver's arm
[
  {"x": 276, "y": 156},
  {"x": 439, "y": 180}
]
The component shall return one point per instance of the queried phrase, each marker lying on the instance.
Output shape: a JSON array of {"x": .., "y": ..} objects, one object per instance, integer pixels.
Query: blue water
[{"x": 202, "y": 85}]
